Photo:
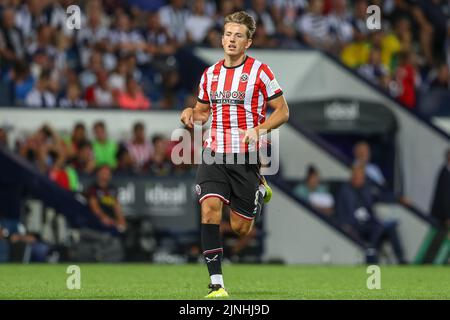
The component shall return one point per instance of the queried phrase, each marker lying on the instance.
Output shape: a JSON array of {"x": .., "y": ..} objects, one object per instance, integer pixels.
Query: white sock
[
  {"x": 217, "y": 279},
  {"x": 262, "y": 189}
]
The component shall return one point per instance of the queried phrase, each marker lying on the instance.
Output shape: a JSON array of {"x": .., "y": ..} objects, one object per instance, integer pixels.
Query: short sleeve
[
  {"x": 270, "y": 87},
  {"x": 203, "y": 96}
]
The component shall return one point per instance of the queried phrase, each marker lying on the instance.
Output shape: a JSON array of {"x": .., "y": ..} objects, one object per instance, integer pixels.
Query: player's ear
[
  {"x": 223, "y": 44},
  {"x": 249, "y": 43}
]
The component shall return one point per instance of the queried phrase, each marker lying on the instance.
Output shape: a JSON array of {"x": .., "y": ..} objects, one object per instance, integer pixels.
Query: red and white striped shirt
[{"x": 238, "y": 98}]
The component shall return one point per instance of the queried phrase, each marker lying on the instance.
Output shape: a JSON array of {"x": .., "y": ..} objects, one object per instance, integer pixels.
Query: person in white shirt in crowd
[
  {"x": 199, "y": 22},
  {"x": 29, "y": 17},
  {"x": 41, "y": 96},
  {"x": 73, "y": 98},
  {"x": 315, "y": 27},
  {"x": 124, "y": 38},
  {"x": 139, "y": 148},
  {"x": 88, "y": 75},
  {"x": 94, "y": 33},
  {"x": 286, "y": 14},
  {"x": 12, "y": 47},
  {"x": 340, "y": 21},
  {"x": 100, "y": 93},
  {"x": 173, "y": 17}
]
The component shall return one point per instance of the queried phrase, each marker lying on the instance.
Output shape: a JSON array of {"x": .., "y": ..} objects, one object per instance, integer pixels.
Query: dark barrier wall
[{"x": 170, "y": 202}]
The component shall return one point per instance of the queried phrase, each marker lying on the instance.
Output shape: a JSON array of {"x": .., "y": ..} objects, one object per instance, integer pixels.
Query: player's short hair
[{"x": 244, "y": 18}]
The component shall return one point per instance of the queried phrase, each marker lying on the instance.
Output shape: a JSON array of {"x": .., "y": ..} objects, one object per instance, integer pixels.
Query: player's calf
[{"x": 239, "y": 225}]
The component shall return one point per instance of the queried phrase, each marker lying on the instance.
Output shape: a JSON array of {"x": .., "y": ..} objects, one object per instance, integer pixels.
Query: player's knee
[{"x": 211, "y": 212}]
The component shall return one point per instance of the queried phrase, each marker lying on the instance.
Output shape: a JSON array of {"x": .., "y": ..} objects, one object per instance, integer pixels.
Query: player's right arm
[
  {"x": 199, "y": 113},
  {"x": 202, "y": 108}
]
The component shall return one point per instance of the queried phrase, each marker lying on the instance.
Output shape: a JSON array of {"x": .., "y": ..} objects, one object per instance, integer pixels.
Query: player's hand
[
  {"x": 250, "y": 135},
  {"x": 187, "y": 117}
]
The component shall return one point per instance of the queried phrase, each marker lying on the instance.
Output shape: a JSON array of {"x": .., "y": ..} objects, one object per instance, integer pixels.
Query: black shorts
[{"x": 237, "y": 185}]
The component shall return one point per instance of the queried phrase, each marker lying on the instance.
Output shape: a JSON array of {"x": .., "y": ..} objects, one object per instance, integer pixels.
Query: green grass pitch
[{"x": 147, "y": 281}]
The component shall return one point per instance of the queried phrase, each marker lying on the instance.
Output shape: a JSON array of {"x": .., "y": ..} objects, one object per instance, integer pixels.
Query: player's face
[{"x": 234, "y": 39}]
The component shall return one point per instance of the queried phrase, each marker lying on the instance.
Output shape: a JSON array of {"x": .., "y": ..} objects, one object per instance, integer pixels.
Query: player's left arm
[{"x": 279, "y": 116}]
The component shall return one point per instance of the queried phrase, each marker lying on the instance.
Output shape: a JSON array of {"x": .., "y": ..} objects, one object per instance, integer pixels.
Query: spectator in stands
[
  {"x": 441, "y": 201},
  {"x": 22, "y": 81},
  {"x": 315, "y": 193},
  {"x": 94, "y": 34},
  {"x": 198, "y": 23},
  {"x": 362, "y": 157},
  {"x": 125, "y": 164},
  {"x": 403, "y": 9},
  {"x": 375, "y": 71},
  {"x": 84, "y": 161},
  {"x": 133, "y": 98},
  {"x": 285, "y": 14},
  {"x": 138, "y": 147},
  {"x": 103, "y": 200},
  {"x": 260, "y": 12},
  {"x": 30, "y": 16},
  {"x": 118, "y": 77},
  {"x": 340, "y": 24},
  {"x": 314, "y": 26},
  {"x": 100, "y": 95},
  {"x": 12, "y": 47},
  {"x": 359, "y": 18},
  {"x": 159, "y": 42},
  {"x": 41, "y": 96},
  {"x": 37, "y": 148},
  {"x": 406, "y": 77},
  {"x": 357, "y": 52},
  {"x": 105, "y": 149},
  {"x": 77, "y": 138},
  {"x": 440, "y": 78},
  {"x": 73, "y": 98},
  {"x": 44, "y": 42},
  {"x": 436, "y": 13},
  {"x": 354, "y": 209},
  {"x": 214, "y": 35},
  {"x": 173, "y": 17},
  {"x": 123, "y": 38},
  {"x": 159, "y": 164},
  {"x": 57, "y": 170},
  {"x": 88, "y": 76}
]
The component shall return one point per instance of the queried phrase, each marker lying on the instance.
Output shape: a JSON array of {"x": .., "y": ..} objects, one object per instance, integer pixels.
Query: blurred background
[{"x": 86, "y": 119}]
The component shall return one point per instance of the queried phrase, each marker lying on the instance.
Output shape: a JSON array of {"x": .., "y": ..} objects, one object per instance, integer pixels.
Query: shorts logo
[
  {"x": 198, "y": 189},
  {"x": 244, "y": 77}
]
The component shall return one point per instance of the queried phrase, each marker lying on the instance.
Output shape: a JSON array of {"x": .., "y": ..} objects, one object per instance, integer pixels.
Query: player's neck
[{"x": 234, "y": 61}]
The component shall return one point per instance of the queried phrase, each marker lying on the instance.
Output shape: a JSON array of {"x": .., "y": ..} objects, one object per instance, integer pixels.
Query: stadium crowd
[
  {"x": 124, "y": 54},
  {"x": 65, "y": 157}
]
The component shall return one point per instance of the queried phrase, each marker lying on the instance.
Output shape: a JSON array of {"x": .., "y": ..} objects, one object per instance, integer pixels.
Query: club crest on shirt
[
  {"x": 198, "y": 189},
  {"x": 244, "y": 77}
]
